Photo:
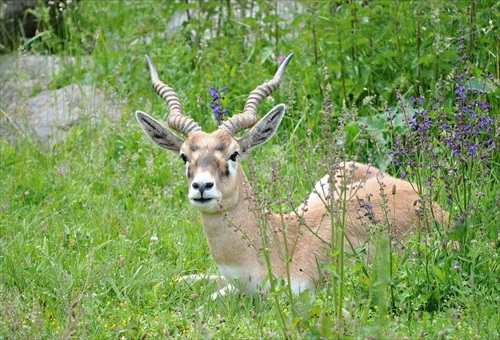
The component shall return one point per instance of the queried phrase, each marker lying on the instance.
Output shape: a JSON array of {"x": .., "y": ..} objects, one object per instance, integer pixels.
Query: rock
[
  {"x": 30, "y": 107},
  {"x": 21, "y": 76},
  {"x": 52, "y": 113}
]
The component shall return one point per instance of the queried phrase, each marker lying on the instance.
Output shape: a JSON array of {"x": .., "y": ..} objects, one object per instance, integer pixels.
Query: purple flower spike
[
  {"x": 216, "y": 104},
  {"x": 213, "y": 92},
  {"x": 473, "y": 149}
]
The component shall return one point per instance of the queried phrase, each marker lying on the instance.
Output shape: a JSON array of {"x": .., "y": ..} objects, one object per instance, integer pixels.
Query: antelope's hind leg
[
  {"x": 354, "y": 172},
  {"x": 318, "y": 196},
  {"x": 347, "y": 173}
]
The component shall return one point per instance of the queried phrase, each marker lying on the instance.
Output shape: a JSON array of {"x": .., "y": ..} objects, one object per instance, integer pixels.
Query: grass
[{"x": 95, "y": 231}]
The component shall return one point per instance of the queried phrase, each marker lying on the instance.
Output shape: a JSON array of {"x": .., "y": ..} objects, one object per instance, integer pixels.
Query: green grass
[{"x": 77, "y": 219}]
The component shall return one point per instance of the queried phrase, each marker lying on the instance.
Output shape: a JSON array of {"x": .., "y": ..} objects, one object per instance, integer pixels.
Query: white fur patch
[
  {"x": 233, "y": 167},
  {"x": 249, "y": 280},
  {"x": 212, "y": 194},
  {"x": 298, "y": 286},
  {"x": 319, "y": 194},
  {"x": 223, "y": 292},
  {"x": 322, "y": 188}
]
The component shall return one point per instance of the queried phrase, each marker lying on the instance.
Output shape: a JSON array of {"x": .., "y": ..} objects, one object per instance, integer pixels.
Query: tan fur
[{"x": 234, "y": 235}]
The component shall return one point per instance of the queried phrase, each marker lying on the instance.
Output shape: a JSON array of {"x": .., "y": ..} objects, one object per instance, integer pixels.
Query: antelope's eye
[
  {"x": 183, "y": 157},
  {"x": 234, "y": 156}
]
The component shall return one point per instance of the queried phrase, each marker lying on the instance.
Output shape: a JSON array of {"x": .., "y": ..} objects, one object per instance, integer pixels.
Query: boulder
[{"x": 29, "y": 106}]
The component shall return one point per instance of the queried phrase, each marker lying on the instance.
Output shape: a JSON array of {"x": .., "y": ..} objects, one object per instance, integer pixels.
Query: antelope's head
[{"x": 212, "y": 159}]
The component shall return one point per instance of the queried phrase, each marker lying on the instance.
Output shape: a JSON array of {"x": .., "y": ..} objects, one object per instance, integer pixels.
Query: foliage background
[{"x": 95, "y": 231}]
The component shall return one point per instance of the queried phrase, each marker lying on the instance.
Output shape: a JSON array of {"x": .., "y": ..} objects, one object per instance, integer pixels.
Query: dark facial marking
[
  {"x": 224, "y": 172},
  {"x": 221, "y": 147},
  {"x": 193, "y": 147},
  {"x": 205, "y": 161}
]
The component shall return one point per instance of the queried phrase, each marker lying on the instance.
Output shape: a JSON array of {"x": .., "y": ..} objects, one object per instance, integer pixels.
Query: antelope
[{"x": 220, "y": 191}]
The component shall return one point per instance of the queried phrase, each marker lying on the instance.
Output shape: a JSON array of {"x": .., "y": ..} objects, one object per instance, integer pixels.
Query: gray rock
[
  {"x": 52, "y": 113},
  {"x": 22, "y": 76},
  {"x": 30, "y": 107}
]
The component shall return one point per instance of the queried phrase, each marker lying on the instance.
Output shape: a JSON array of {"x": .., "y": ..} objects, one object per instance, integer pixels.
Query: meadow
[{"x": 96, "y": 230}]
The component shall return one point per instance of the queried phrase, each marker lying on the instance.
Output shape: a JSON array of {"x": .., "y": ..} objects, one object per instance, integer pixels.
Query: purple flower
[
  {"x": 216, "y": 104},
  {"x": 421, "y": 120},
  {"x": 364, "y": 205},
  {"x": 460, "y": 90},
  {"x": 473, "y": 149},
  {"x": 213, "y": 93},
  {"x": 485, "y": 121},
  {"x": 281, "y": 59},
  {"x": 464, "y": 58},
  {"x": 449, "y": 137},
  {"x": 485, "y": 106},
  {"x": 490, "y": 142},
  {"x": 489, "y": 76}
]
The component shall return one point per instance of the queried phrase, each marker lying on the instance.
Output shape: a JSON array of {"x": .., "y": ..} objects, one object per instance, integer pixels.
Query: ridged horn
[
  {"x": 249, "y": 116},
  {"x": 176, "y": 118}
]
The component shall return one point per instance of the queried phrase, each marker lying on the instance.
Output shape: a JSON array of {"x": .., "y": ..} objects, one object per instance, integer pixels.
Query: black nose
[{"x": 202, "y": 186}]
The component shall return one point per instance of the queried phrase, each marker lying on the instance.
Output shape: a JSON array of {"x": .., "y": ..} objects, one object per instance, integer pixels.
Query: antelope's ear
[
  {"x": 158, "y": 133},
  {"x": 263, "y": 130}
]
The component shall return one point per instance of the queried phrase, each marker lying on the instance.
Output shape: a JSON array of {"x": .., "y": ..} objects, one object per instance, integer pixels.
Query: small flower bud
[{"x": 154, "y": 240}]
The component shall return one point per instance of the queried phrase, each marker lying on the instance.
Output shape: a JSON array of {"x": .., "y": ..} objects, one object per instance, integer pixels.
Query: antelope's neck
[{"x": 235, "y": 231}]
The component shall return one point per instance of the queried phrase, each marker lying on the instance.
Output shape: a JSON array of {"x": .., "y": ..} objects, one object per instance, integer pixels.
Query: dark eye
[
  {"x": 183, "y": 157},
  {"x": 234, "y": 156}
]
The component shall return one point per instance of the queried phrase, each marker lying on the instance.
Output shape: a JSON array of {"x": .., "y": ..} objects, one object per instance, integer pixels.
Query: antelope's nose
[{"x": 202, "y": 186}]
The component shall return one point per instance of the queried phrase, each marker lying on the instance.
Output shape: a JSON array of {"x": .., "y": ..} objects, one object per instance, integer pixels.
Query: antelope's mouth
[
  {"x": 202, "y": 200},
  {"x": 206, "y": 204}
]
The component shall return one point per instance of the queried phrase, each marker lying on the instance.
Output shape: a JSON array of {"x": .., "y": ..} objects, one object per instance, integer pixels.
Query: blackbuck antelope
[{"x": 220, "y": 190}]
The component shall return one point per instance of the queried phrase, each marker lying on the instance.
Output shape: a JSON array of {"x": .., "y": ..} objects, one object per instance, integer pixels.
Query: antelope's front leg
[{"x": 222, "y": 285}]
